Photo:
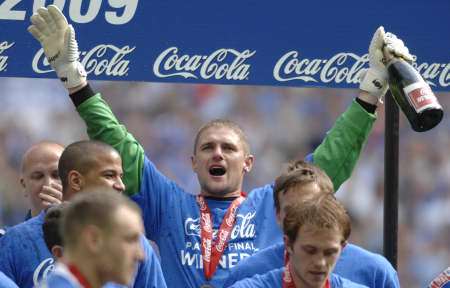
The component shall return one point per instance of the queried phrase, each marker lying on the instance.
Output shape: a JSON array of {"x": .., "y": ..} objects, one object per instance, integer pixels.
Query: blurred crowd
[{"x": 281, "y": 123}]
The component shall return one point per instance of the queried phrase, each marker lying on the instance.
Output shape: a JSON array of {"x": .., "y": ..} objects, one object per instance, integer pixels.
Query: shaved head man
[{"x": 39, "y": 175}]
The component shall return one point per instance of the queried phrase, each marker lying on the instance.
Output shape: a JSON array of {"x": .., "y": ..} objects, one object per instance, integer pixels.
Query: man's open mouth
[{"x": 217, "y": 170}]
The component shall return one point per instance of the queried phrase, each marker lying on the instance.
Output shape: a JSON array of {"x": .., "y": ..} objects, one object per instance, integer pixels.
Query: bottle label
[{"x": 421, "y": 97}]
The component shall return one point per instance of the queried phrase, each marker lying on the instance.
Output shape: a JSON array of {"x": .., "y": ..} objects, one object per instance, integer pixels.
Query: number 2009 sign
[
  {"x": 288, "y": 43},
  {"x": 117, "y": 12}
]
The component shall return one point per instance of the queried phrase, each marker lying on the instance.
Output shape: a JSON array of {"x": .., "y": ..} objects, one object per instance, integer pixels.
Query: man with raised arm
[{"x": 201, "y": 237}]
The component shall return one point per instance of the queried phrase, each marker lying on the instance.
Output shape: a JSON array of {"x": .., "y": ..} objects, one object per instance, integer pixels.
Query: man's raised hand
[{"x": 57, "y": 38}]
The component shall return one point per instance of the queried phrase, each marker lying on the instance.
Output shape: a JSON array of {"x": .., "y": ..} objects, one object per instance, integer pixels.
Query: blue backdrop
[{"x": 290, "y": 42}]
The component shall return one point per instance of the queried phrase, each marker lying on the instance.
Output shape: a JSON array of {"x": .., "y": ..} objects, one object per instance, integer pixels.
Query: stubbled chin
[{"x": 315, "y": 278}]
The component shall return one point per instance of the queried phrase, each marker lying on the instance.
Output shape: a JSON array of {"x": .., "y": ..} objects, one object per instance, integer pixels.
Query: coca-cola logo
[
  {"x": 207, "y": 223},
  {"x": 223, "y": 235},
  {"x": 43, "y": 269},
  {"x": 224, "y": 63},
  {"x": 345, "y": 67},
  {"x": 434, "y": 71},
  {"x": 291, "y": 67},
  {"x": 243, "y": 229},
  {"x": 103, "y": 59},
  {"x": 3, "y": 58},
  {"x": 202, "y": 204},
  {"x": 207, "y": 248}
]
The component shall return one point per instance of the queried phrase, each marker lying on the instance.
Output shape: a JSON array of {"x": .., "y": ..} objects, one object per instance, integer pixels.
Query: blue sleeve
[
  {"x": 156, "y": 197},
  {"x": 5, "y": 282},
  {"x": 386, "y": 276},
  {"x": 6, "y": 258},
  {"x": 271, "y": 279},
  {"x": 259, "y": 263},
  {"x": 362, "y": 266},
  {"x": 149, "y": 274},
  {"x": 340, "y": 282}
]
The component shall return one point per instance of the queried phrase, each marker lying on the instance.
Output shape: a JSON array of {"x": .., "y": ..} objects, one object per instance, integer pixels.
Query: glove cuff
[
  {"x": 72, "y": 74},
  {"x": 374, "y": 83}
]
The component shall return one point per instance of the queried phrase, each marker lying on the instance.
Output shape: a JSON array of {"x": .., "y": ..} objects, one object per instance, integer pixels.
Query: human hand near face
[{"x": 51, "y": 194}]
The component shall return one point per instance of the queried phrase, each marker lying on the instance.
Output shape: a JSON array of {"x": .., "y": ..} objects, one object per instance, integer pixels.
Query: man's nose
[
  {"x": 49, "y": 181},
  {"x": 319, "y": 261},
  {"x": 119, "y": 185},
  {"x": 218, "y": 153}
]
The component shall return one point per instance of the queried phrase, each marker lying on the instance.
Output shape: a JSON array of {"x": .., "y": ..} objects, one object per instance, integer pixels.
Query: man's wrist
[
  {"x": 77, "y": 88},
  {"x": 81, "y": 94},
  {"x": 367, "y": 101}
]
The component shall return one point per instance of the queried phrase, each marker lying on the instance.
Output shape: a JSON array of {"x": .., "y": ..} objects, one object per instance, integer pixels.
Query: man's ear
[
  {"x": 75, "y": 181},
  {"x": 22, "y": 183},
  {"x": 248, "y": 163},
  {"x": 194, "y": 163},
  {"x": 93, "y": 238},
  {"x": 278, "y": 217},
  {"x": 287, "y": 244},
  {"x": 57, "y": 252}
]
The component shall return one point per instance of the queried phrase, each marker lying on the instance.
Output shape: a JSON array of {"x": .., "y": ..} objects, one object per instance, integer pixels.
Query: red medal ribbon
[
  {"x": 288, "y": 282},
  {"x": 77, "y": 274},
  {"x": 212, "y": 250}
]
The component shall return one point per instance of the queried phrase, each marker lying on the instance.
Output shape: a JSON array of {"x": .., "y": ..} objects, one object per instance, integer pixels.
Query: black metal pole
[{"x": 391, "y": 150}]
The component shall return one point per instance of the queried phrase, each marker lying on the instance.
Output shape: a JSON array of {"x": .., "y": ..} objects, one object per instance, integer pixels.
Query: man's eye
[
  {"x": 37, "y": 176},
  {"x": 330, "y": 253},
  {"x": 310, "y": 250}
]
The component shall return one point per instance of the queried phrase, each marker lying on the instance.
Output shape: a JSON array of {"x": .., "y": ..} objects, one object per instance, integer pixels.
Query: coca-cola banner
[{"x": 290, "y": 43}]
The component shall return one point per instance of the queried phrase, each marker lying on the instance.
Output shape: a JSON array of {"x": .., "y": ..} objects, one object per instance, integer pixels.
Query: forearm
[
  {"x": 103, "y": 126},
  {"x": 340, "y": 150}
]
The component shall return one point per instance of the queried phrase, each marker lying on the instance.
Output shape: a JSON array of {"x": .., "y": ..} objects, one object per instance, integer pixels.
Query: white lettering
[
  {"x": 244, "y": 227},
  {"x": 344, "y": 68},
  {"x": 187, "y": 258},
  {"x": 125, "y": 8},
  {"x": 439, "y": 71},
  {"x": 7, "y": 12},
  {"x": 91, "y": 13},
  {"x": 43, "y": 269},
  {"x": 3, "y": 58},
  {"x": 170, "y": 64},
  {"x": 129, "y": 9},
  {"x": 289, "y": 68},
  {"x": 227, "y": 261},
  {"x": 44, "y": 3},
  {"x": 103, "y": 59}
]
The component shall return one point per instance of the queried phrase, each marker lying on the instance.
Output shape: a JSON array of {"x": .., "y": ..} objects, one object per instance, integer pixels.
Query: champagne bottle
[{"x": 413, "y": 95}]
